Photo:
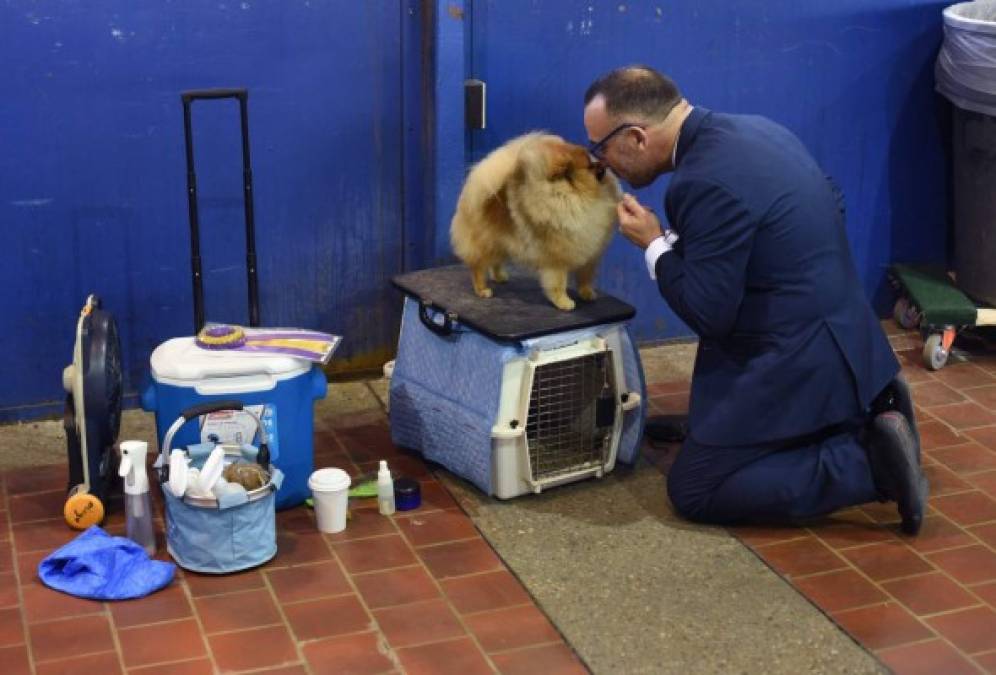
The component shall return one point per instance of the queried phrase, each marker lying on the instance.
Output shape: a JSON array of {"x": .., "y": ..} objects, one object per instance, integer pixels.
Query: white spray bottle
[
  {"x": 385, "y": 489},
  {"x": 138, "y": 506}
]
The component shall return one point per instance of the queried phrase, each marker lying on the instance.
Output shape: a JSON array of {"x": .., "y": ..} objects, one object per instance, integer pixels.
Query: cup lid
[
  {"x": 330, "y": 479},
  {"x": 406, "y": 486}
]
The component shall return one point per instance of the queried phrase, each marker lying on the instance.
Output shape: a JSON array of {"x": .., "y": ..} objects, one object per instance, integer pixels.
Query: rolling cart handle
[
  {"x": 242, "y": 95},
  {"x": 203, "y": 409}
]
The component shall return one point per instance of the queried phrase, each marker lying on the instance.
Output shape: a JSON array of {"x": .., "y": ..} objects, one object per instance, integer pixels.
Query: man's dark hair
[{"x": 635, "y": 91}]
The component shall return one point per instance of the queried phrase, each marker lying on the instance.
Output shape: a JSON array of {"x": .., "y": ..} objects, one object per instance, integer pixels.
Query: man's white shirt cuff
[{"x": 656, "y": 249}]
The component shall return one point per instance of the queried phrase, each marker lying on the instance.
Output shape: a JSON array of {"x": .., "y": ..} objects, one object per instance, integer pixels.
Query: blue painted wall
[
  {"x": 359, "y": 149},
  {"x": 92, "y": 176},
  {"x": 853, "y": 78}
]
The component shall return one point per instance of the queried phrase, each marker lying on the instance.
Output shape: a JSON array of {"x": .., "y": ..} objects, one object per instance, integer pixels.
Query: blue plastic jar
[{"x": 407, "y": 494}]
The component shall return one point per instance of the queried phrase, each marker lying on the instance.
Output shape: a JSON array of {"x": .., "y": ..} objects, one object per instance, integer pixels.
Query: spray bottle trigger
[{"x": 125, "y": 468}]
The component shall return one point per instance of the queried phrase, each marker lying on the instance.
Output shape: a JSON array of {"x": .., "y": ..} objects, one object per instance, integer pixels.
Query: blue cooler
[{"x": 283, "y": 390}]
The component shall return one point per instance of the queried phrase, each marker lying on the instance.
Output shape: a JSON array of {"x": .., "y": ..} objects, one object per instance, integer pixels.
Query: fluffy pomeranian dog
[{"x": 541, "y": 202}]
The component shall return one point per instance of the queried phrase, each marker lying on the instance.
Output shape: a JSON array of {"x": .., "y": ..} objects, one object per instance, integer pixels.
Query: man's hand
[{"x": 638, "y": 224}]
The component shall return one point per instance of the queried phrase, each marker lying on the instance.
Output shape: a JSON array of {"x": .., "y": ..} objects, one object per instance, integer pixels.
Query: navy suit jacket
[{"x": 763, "y": 274}]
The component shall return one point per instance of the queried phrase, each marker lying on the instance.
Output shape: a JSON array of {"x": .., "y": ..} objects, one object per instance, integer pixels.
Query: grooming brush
[{"x": 249, "y": 476}]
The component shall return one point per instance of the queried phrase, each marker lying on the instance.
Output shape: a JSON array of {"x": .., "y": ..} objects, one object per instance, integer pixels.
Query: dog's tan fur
[{"x": 538, "y": 201}]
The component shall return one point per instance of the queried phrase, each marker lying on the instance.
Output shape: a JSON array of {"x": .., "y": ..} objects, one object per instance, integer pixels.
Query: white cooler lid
[{"x": 181, "y": 360}]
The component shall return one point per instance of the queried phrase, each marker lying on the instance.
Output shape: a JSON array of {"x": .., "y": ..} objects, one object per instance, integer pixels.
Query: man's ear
[{"x": 639, "y": 136}]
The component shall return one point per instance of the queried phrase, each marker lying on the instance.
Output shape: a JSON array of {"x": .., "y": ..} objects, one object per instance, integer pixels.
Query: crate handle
[{"x": 443, "y": 329}]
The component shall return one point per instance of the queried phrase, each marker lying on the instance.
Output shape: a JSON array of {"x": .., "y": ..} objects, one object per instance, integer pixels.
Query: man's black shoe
[
  {"x": 666, "y": 428},
  {"x": 896, "y": 396},
  {"x": 894, "y": 455}
]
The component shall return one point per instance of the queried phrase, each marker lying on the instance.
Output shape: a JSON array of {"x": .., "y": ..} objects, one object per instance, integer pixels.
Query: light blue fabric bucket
[
  {"x": 234, "y": 532},
  {"x": 221, "y": 537}
]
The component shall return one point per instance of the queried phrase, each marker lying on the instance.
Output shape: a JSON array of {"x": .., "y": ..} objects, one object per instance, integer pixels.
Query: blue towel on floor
[{"x": 98, "y": 566}]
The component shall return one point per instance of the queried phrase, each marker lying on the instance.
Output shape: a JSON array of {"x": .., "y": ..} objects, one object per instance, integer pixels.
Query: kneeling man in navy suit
[{"x": 797, "y": 408}]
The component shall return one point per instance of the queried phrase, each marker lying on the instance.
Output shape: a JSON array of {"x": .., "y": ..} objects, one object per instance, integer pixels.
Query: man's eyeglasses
[{"x": 597, "y": 149}]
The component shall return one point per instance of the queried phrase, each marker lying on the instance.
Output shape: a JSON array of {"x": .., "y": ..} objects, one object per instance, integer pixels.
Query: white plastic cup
[{"x": 330, "y": 495}]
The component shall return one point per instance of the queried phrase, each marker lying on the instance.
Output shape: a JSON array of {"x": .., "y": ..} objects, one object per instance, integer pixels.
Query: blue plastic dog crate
[
  {"x": 509, "y": 392},
  {"x": 283, "y": 387}
]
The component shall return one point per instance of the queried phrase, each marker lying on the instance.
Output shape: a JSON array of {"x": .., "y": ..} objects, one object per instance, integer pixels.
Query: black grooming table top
[{"x": 518, "y": 310}]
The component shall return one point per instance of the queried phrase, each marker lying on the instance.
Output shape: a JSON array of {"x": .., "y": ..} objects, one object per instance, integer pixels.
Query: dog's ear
[
  {"x": 555, "y": 160},
  {"x": 559, "y": 163},
  {"x": 543, "y": 159}
]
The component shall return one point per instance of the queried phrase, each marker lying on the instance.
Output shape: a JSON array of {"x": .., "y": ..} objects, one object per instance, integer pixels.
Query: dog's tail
[{"x": 487, "y": 178}]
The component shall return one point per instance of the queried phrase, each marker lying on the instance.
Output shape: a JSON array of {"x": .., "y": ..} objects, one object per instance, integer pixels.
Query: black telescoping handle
[
  {"x": 242, "y": 95},
  {"x": 199, "y": 94}
]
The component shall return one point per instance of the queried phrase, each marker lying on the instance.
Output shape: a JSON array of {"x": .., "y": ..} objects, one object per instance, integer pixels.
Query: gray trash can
[{"x": 966, "y": 76}]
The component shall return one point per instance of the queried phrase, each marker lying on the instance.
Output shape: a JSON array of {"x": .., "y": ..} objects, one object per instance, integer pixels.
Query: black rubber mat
[{"x": 518, "y": 310}]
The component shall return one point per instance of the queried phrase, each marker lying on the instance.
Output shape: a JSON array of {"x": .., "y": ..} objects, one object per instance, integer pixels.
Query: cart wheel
[
  {"x": 904, "y": 314},
  {"x": 934, "y": 353}
]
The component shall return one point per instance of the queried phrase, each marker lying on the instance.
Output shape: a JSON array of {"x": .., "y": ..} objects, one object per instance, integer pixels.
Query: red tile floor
[
  {"x": 419, "y": 592},
  {"x": 925, "y": 604},
  {"x": 423, "y": 592}
]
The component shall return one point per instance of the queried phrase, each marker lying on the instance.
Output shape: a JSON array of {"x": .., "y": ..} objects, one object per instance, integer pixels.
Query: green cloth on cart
[{"x": 936, "y": 296}]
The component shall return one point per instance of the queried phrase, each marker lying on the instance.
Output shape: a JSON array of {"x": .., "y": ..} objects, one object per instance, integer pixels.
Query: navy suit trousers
[{"x": 771, "y": 483}]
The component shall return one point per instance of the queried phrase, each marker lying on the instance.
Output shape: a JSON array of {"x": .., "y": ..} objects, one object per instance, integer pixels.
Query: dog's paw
[
  {"x": 483, "y": 292},
  {"x": 587, "y": 293},
  {"x": 564, "y": 303}
]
